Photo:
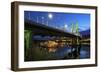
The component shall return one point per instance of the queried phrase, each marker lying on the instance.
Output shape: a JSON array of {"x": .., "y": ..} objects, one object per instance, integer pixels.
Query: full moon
[{"x": 50, "y": 15}]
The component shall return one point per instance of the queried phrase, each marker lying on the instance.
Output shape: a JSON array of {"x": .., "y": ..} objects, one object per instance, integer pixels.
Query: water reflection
[{"x": 56, "y": 51}]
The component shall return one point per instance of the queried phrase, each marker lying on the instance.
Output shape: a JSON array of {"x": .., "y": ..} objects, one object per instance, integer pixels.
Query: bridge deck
[{"x": 40, "y": 29}]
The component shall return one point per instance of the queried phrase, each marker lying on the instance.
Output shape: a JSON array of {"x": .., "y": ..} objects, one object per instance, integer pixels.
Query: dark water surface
[
  {"x": 83, "y": 51},
  {"x": 62, "y": 53}
]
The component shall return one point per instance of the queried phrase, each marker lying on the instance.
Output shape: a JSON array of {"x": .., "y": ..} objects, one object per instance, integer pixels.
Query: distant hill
[{"x": 86, "y": 33}]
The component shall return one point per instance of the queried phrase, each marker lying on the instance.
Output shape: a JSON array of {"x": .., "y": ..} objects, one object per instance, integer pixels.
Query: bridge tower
[
  {"x": 72, "y": 30},
  {"x": 75, "y": 30},
  {"x": 73, "y": 42},
  {"x": 77, "y": 33}
]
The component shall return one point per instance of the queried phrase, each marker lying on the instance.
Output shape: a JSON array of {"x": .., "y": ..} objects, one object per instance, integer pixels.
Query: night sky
[{"x": 60, "y": 20}]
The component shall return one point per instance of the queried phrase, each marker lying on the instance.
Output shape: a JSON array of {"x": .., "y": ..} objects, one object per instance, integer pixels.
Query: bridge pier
[
  {"x": 76, "y": 45},
  {"x": 28, "y": 44}
]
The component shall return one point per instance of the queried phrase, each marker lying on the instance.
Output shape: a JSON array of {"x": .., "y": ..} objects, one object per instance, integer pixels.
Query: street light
[
  {"x": 29, "y": 16},
  {"x": 37, "y": 20},
  {"x": 42, "y": 20}
]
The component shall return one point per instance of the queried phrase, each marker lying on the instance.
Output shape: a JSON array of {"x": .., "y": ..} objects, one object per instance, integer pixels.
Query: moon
[
  {"x": 50, "y": 15},
  {"x": 65, "y": 25}
]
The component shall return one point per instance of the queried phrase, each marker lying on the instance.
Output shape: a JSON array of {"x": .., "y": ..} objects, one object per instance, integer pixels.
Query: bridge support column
[
  {"x": 27, "y": 44},
  {"x": 76, "y": 47}
]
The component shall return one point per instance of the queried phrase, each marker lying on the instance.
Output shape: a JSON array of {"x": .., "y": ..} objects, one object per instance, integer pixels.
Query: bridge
[
  {"x": 33, "y": 29},
  {"x": 44, "y": 30}
]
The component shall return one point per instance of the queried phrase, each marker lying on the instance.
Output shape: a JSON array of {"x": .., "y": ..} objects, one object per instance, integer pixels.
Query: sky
[{"x": 60, "y": 20}]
